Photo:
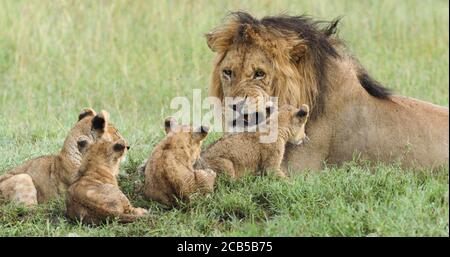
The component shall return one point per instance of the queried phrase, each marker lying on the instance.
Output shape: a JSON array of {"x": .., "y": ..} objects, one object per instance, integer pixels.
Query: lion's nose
[{"x": 238, "y": 105}]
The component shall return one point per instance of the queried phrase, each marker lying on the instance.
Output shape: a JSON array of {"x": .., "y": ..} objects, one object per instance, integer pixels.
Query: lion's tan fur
[
  {"x": 169, "y": 173},
  {"x": 238, "y": 153},
  {"x": 350, "y": 112},
  {"x": 276, "y": 49},
  {"x": 95, "y": 196},
  {"x": 43, "y": 178}
]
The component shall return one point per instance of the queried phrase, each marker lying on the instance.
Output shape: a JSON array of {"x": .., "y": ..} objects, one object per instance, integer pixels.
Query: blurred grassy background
[{"x": 132, "y": 57}]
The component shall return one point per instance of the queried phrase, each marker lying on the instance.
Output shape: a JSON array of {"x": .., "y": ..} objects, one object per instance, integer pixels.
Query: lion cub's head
[
  {"x": 96, "y": 126},
  {"x": 184, "y": 141},
  {"x": 90, "y": 127},
  {"x": 102, "y": 153},
  {"x": 170, "y": 173},
  {"x": 293, "y": 121}
]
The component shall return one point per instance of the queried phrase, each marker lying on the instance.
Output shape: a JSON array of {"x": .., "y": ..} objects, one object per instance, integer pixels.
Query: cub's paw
[
  {"x": 210, "y": 172},
  {"x": 140, "y": 212},
  {"x": 281, "y": 176},
  {"x": 206, "y": 179}
]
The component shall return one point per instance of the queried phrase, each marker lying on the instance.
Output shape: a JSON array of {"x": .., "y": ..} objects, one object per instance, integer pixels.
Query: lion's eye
[
  {"x": 227, "y": 73},
  {"x": 259, "y": 74}
]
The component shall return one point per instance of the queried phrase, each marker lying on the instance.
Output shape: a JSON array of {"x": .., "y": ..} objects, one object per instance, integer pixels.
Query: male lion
[
  {"x": 300, "y": 61},
  {"x": 43, "y": 178},
  {"x": 240, "y": 152},
  {"x": 95, "y": 196},
  {"x": 169, "y": 172}
]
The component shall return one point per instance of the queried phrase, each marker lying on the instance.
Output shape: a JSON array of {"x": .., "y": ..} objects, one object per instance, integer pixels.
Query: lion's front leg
[
  {"x": 224, "y": 165},
  {"x": 273, "y": 165},
  {"x": 303, "y": 158},
  {"x": 130, "y": 209},
  {"x": 280, "y": 173},
  {"x": 310, "y": 155}
]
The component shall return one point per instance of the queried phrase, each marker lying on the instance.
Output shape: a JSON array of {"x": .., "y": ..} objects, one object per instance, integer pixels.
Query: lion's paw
[{"x": 140, "y": 211}]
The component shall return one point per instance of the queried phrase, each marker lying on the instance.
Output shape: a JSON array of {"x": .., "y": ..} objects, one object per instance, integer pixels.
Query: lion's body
[
  {"x": 44, "y": 178},
  {"x": 351, "y": 113},
  {"x": 95, "y": 196},
  {"x": 238, "y": 153},
  {"x": 169, "y": 172},
  {"x": 400, "y": 129},
  {"x": 43, "y": 175}
]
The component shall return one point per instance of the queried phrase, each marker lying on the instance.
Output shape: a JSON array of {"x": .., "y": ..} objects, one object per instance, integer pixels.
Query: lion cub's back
[
  {"x": 243, "y": 149},
  {"x": 156, "y": 185},
  {"x": 95, "y": 202}
]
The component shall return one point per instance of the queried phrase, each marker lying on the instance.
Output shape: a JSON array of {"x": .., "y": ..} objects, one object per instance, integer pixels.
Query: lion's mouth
[
  {"x": 249, "y": 112},
  {"x": 300, "y": 141},
  {"x": 248, "y": 120}
]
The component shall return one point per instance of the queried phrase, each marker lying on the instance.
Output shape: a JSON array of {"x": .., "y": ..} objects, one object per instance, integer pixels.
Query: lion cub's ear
[
  {"x": 200, "y": 133},
  {"x": 85, "y": 113},
  {"x": 100, "y": 121},
  {"x": 169, "y": 124}
]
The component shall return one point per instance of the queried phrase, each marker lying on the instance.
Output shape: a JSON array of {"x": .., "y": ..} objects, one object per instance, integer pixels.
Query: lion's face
[
  {"x": 247, "y": 76},
  {"x": 279, "y": 56},
  {"x": 251, "y": 72},
  {"x": 104, "y": 152},
  {"x": 246, "y": 72}
]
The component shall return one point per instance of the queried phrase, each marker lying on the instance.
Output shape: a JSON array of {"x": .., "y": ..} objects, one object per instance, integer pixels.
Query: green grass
[{"x": 132, "y": 57}]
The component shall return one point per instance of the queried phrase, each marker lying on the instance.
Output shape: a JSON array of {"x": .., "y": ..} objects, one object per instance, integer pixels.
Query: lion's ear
[
  {"x": 100, "y": 121},
  {"x": 215, "y": 42},
  {"x": 298, "y": 50},
  {"x": 169, "y": 124},
  {"x": 85, "y": 113},
  {"x": 210, "y": 40},
  {"x": 200, "y": 133},
  {"x": 220, "y": 39}
]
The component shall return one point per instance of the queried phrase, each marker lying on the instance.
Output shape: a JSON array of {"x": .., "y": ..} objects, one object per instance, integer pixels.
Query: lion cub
[
  {"x": 44, "y": 178},
  {"x": 240, "y": 152},
  {"x": 95, "y": 195},
  {"x": 169, "y": 172}
]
